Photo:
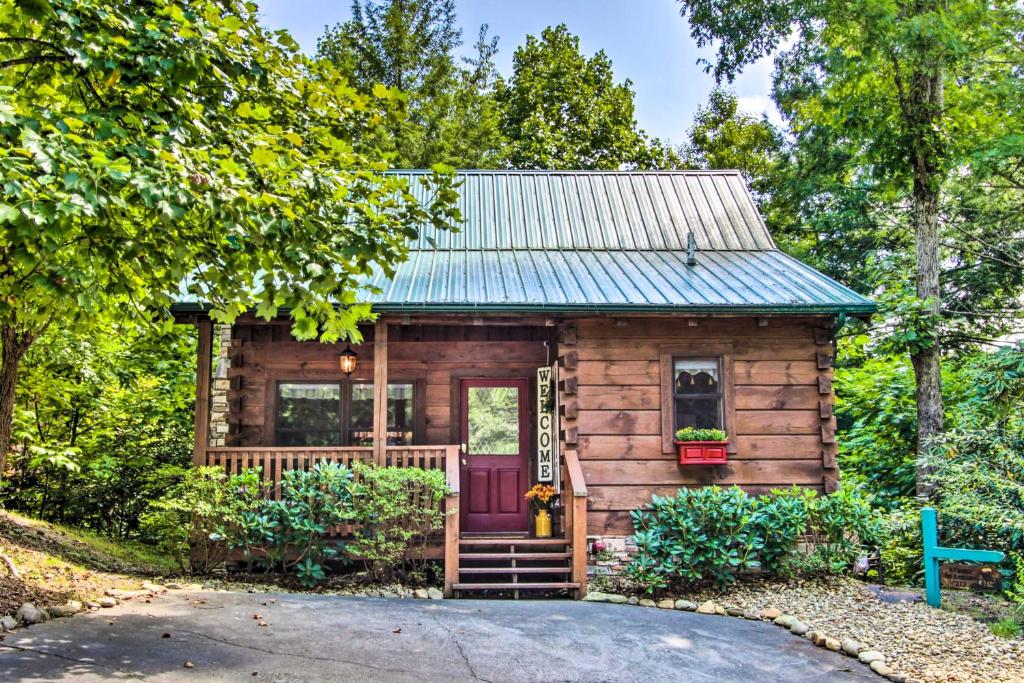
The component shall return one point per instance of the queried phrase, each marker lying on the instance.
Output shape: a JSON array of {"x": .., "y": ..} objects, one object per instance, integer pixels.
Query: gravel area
[{"x": 918, "y": 641}]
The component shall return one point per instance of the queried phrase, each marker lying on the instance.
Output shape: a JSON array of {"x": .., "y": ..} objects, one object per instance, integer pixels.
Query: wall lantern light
[{"x": 347, "y": 360}]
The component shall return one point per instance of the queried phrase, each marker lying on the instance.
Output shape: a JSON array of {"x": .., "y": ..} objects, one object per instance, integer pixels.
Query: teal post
[{"x": 934, "y": 553}]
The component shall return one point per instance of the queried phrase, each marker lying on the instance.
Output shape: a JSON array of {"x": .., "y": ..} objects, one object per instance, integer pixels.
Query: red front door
[{"x": 494, "y": 464}]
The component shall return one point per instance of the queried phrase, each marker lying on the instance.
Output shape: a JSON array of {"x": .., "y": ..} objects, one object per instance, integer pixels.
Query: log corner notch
[
  {"x": 568, "y": 408},
  {"x": 824, "y": 355},
  {"x": 204, "y": 369}
]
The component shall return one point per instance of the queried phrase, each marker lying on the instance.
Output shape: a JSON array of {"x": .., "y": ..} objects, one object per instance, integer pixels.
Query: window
[
  {"x": 696, "y": 393},
  {"x": 340, "y": 413},
  {"x": 697, "y": 389}
]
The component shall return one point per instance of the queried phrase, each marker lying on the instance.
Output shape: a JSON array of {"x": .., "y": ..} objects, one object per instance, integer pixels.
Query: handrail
[
  {"x": 575, "y": 472},
  {"x": 576, "y": 518}
]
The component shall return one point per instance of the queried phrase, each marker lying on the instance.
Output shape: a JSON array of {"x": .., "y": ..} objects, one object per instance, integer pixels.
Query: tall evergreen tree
[
  {"x": 410, "y": 45},
  {"x": 561, "y": 109}
]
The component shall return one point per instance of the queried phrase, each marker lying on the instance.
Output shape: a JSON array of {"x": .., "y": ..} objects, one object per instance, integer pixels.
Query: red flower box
[{"x": 701, "y": 452}]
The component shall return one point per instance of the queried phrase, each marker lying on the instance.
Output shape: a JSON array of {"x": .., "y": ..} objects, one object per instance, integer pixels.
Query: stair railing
[
  {"x": 576, "y": 518},
  {"x": 451, "y": 520}
]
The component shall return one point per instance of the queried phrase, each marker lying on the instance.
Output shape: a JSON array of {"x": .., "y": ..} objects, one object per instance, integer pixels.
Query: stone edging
[{"x": 849, "y": 647}]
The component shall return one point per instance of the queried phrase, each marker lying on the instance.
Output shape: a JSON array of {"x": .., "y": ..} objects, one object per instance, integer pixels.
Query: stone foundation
[
  {"x": 608, "y": 555},
  {"x": 219, "y": 388}
]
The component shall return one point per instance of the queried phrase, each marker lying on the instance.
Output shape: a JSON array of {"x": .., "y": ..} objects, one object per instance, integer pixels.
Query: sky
[{"x": 647, "y": 40}]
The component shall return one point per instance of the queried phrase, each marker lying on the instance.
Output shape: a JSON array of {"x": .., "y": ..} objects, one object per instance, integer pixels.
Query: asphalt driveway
[{"x": 330, "y": 638}]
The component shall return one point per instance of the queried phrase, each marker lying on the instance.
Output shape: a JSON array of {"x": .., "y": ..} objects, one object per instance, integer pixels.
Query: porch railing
[{"x": 274, "y": 461}]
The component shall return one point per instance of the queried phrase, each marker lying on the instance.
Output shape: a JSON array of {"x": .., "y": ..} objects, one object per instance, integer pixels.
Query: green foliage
[
  {"x": 563, "y": 110},
  {"x": 714, "y": 535},
  {"x": 204, "y": 511},
  {"x": 698, "y": 434},
  {"x": 1015, "y": 591},
  {"x": 703, "y": 534},
  {"x": 102, "y": 424},
  {"x": 295, "y": 527},
  {"x": 902, "y": 553},
  {"x": 449, "y": 114},
  {"x": 396, "y": 509},
  {"x": 979, "y": 488},
  {"x": 877, "y": 420},
  {"x": 1005, "y": 628},
  {"x": 155, "y": 149}
]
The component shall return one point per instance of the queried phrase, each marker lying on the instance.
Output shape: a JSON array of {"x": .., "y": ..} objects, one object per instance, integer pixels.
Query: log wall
[
  {"x": 780, "y": 418},
  {"x": 610, "y": 394},
  {"x": 433, "y": 356}
]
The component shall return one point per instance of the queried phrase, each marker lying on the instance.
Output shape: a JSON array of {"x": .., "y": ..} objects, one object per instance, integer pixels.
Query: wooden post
[
  {"x": 203, "y": 362},
  {"x": 934, "y": 553},
  {"x": 451, "y": 520},
  {"x": 380, "y": 391}
]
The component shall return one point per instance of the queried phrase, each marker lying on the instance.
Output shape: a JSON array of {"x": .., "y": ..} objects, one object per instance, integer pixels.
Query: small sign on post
[
  {"x": 975, "y": 577},
  {"x": 545, "y": 427},
  {"x": 934, "y": 554}
]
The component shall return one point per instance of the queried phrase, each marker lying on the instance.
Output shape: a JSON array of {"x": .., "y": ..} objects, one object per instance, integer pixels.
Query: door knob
[{"x": 463, "y": 461}]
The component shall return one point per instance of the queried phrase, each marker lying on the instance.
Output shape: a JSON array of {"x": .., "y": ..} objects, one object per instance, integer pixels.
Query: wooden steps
[
  {"x": 511, "y": 585},
  {"x": 505, "y": 566}
]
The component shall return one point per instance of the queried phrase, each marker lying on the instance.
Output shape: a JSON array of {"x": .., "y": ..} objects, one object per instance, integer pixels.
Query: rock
[
  {"x": 752, "y": 614},
  {"x": 647, "y": 602},
  {"x": 784, "y": 620},
  {"x": 157, "y": 588},
  {"x": 686, "y": 605},
  {"x": 67, "y": 610},
  {"x": 880, "y": 667},
  {"x": 595, "y": 597},
  {"x": 868, "y": 656},
  {"x": 833, "y": 644},
  {"x": 720, "y": 611},
  {"x": 852, "y": 647},
  {"x": 125, "y": 595},
  {"x": 8, "y": 623},
  {"x": 434, "y": 594},
  {"x": 734, "y": 611},
  {"x": 30, "y": 614},
  {"x": 174, "y": 586},
  {"x": 420, "y": 594},
  {"x": 708, "y": 607},
  {"x": 667, "y": 603},
  {"x": 896, "y": 677},
  {"x": 633, "y": 600},
  {"x": 107, "y": 601},
  {"x": 188, "y": 665},
  {"x": 799, "y": 628},
  {"x": 816, "y": 637},
  {"x": 92, "y": 604},
  {"x": 771, "y": 613},
  {"x": 617, "y": 599}
]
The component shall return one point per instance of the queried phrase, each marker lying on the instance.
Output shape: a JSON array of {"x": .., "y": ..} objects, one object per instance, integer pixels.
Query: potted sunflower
[
  {"x": 701, "y": 446},
  {"x": 541, "y": 495}
]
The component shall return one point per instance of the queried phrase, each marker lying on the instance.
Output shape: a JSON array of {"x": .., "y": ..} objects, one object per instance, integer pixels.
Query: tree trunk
[
  {"x": 925, "y": 113},
  {"x": 11, "y": 353}
]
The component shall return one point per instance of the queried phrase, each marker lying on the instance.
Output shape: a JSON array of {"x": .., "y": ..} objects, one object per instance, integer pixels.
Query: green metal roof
[
  {"x": 594, "y": 241},
  {"x": 605, "y": 241}
]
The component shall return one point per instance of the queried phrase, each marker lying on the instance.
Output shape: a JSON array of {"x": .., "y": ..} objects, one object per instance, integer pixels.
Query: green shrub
[
  {"x": 698, "y": 535},
  {"x": 395, "y": 510},
  {"x": 780, "y": 519},
  {"x": 902, "y": 549},
  {"x": 200, "y": 518},
  {"x": 712, "y": 535},
  {"x": 296, "y": 526},
  {"x": 696, "y": 434}
]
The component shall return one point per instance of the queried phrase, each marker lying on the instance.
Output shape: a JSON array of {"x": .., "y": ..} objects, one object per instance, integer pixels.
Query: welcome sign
[{"x": 545, "y": 426}]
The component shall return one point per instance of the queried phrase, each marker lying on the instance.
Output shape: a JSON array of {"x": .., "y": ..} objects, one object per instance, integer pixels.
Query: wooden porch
[{"x": 513, "y": 570}]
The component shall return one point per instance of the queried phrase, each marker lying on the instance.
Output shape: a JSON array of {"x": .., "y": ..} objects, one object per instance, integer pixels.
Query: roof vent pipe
[{"x": 691, "y": 249}]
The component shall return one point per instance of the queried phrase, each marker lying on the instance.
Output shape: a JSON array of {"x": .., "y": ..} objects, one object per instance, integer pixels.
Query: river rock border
[
  {"x": 28, "y": 614},
  {"x": 872, "y": 658}
]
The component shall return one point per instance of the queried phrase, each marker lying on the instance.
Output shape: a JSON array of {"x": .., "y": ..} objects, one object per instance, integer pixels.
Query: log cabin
[{"x": 562, "y": 335}]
